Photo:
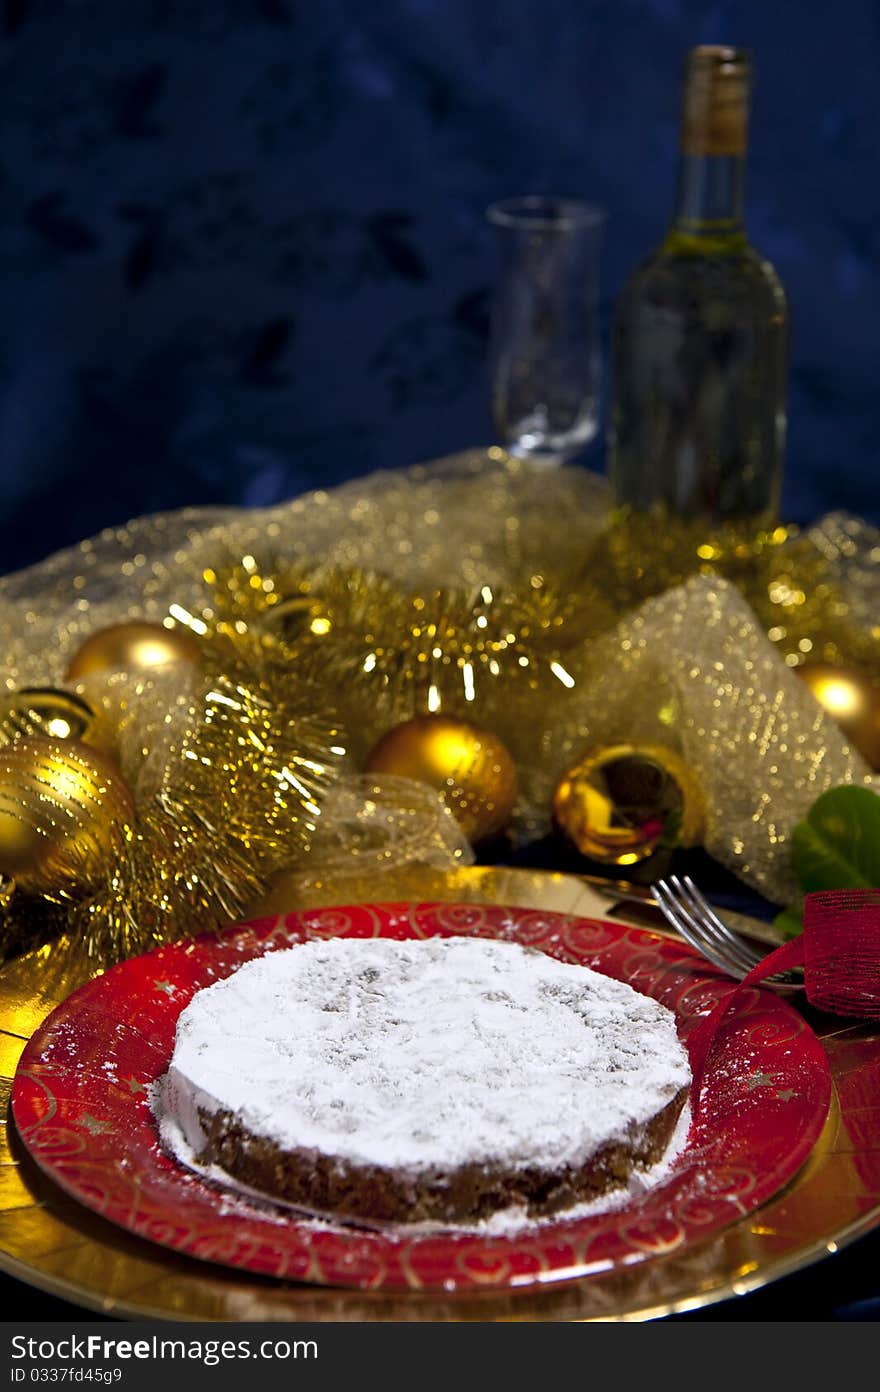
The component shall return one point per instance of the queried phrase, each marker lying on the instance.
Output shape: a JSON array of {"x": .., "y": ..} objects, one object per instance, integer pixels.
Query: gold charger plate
[{"x": 52, "y": 1243}]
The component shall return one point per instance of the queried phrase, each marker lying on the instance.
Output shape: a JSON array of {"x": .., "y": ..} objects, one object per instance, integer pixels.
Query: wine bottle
[{"x": 700, "y": 341}]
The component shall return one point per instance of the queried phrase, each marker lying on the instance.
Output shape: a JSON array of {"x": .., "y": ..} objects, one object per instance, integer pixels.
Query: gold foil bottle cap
[{"x": 715, "y": 108}]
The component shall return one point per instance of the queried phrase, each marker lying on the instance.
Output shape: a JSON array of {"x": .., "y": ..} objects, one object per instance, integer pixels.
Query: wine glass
[{"x": 545, "y": 362}]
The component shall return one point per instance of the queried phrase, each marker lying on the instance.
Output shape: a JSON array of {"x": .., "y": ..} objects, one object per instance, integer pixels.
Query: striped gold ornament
[{"x": 63, "y": 808}]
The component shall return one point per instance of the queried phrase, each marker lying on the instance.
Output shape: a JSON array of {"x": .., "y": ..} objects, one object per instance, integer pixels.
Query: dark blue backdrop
[{"x": 243, "y": 246}]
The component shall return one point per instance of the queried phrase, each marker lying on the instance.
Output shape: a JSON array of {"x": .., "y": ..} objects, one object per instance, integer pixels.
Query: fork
[{"x": 694, "y": 919}]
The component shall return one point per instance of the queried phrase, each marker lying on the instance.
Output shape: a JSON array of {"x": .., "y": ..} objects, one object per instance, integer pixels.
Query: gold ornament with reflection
[
  {"x": 619, "y": 804},
  {"x": 470, "y": 766},
  {"x": 45, "y": 710},
  {"x": 136, "y": 646},
  {"x": 62, "y": 808},
  {"x": 852, "y": 699}
]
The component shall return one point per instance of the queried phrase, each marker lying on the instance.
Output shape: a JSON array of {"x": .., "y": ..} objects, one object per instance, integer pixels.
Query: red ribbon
[{"x": 839, "y": 951}]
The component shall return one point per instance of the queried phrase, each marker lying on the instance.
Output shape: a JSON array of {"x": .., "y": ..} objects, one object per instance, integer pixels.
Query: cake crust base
[{"x": 467, "y": 1194}]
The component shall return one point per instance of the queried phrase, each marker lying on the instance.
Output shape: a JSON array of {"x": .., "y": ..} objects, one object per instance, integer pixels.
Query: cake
[{"x": 437, "y": 1080}]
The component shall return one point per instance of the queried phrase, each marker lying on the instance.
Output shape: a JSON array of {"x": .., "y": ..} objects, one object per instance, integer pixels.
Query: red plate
[{"x": 80, "y": 1104}]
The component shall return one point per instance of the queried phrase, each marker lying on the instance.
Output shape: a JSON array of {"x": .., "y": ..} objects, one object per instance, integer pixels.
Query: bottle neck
[{"x": 710, "y": 194}]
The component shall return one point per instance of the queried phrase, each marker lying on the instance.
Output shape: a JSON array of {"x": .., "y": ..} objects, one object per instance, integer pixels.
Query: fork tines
[{"x": 693, "y": 917}]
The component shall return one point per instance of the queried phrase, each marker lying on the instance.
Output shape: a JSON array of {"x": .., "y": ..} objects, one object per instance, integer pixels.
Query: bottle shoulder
[{"x": 717, "y": 267}]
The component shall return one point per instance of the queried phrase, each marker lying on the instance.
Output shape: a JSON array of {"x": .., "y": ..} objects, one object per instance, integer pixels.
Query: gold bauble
[
  {"x": 852, "y": 699},
  {"x": 468, "y": 765},
  {"x": 62, "y": 806},
  {"x": 132, "y": 647},
  {"x": 290, "y": 616},
  {"x": 44, "y": 710},
  {"x": 620, "y": 803}
]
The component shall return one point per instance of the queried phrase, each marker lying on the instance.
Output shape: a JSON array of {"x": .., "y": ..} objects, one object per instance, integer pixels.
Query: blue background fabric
[{"x": 243, "y": 249}]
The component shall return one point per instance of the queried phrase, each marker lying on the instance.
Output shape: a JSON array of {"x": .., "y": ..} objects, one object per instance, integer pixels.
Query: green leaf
[
  {"x": 838, "y": 845},
  {"x": 789, "y": 923}
]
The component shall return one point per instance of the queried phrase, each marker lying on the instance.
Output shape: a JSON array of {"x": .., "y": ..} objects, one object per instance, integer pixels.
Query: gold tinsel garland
[
  {"x": 226, "y": 779},
  {"x": 475, "y": 587},
  {"x": 386, "y": 655},
  {"x": 429, "y": 649}
]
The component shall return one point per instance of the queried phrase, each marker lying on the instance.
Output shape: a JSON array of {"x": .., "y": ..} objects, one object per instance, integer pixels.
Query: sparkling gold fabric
[
  {"x": 475, "y": 519},
  {"x": 653, "y": 634},
  {"x": 373, "y": 826}
]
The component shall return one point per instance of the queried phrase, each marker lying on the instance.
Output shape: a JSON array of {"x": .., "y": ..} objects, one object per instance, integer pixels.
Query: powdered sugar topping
[{"x": 425, "y": 1054}]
